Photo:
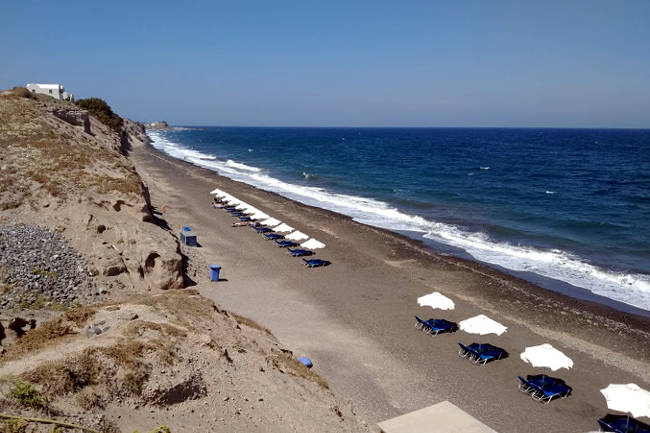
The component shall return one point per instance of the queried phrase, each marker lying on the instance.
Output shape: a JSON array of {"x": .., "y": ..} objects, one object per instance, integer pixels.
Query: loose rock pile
[{"x": 38, "y": 265}]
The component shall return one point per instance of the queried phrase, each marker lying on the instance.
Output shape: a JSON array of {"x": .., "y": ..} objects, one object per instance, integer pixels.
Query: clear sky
[{"x": 582, "y": 63}]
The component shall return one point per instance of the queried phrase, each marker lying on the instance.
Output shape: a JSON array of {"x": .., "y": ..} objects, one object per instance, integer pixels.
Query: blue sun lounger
[
  {"x": 262, "y": 229},
  {"x": 273, "y": 236},
  {"x": 245, "y": 219},
  {"x": 435, "y": 326},
  {"x": 481, "y": 353},
  {"x": 300, "y": 252},
  {"x": 622, "y": 424},
  {"x": 285, "y": 244},
  {"x": 544, "y": 388},
  {"x": 315, "y": 263}
]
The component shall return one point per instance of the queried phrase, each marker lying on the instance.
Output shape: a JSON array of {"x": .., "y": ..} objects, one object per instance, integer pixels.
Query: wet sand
[{"x": 354, "y": 319}]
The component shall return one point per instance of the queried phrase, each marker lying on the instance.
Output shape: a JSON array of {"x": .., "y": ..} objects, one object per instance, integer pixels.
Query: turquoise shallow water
[{"x": 571, "y": 206}]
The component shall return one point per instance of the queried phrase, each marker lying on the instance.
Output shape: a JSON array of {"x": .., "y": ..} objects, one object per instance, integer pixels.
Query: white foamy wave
[
  {"x": 484, "y": 168},
  {"x": 240, "y": 166},
  {"x": 633, "y": 289},
  {"x": 175, "y": 150},
  {"x": 549, "y": 192}
]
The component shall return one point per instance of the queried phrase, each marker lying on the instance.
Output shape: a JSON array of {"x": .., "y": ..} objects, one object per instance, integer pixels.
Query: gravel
[{"x": 39, "y": 265}]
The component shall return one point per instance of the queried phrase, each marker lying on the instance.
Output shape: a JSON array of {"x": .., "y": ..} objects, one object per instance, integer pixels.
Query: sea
[{"x": 567, "y": 209}]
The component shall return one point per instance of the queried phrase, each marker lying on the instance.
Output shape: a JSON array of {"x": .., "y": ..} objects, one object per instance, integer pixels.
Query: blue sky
[{"x": 342, "y": 63}]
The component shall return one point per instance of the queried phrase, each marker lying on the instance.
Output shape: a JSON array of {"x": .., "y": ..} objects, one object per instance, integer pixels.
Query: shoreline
[
  {"x": 533, "y": 280},
  {"x": 355, "y": 318}
]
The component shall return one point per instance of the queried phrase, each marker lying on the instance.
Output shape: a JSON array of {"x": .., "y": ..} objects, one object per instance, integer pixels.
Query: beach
[{"x": 355, "y": 318}]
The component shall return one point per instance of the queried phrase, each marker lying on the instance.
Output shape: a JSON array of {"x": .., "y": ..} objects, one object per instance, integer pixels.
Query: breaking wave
[{"x": 629, "y": 288}]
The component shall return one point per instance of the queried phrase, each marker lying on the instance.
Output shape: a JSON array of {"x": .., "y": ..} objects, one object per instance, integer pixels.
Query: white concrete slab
[{"x": 443, "y": 417}]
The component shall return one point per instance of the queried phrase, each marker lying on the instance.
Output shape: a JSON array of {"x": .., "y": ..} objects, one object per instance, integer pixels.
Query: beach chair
[
  {"x": 421, "y": 324},
  {"x": 245, "y": 219},
  {"x": 435, "y": 326},
  {"x": 262, "y": 229},
  {"x": 300, "y": 252},
  {"x": 622, "y": 424},
  {"x": 273, "y": 236},
  {"x": 481, "y": 353},
  {"x": 547, "y": 393},
  {"x": 286, "y": 244},
  {"x": 315, "y": 263},
  {"x": 524, "y": 385}
]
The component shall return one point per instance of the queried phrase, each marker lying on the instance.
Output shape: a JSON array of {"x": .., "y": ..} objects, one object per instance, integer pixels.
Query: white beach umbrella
[
  {"x": 242, "y": 205},
  {"x": 296, "y": 236},
  {"x": 283, "y": 228},
  {"x": 436, "y": 300},
  {"x": 629, "y": 398},
  {"x": 312, "y": 244},
  {"x": 271, "y": 222},
  {"x": 259, "y": 216},
  {"x": 546, "y": 355},
  {"x": 482, "y": 325},
  {"x": 217, "y": 192}
]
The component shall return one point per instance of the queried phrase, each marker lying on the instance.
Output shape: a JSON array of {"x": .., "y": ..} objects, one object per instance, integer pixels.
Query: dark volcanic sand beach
[{"x": 354, "y": 319}]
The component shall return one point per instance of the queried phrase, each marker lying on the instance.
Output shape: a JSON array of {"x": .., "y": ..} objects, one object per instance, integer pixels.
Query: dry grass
[
  {"x": 44, "y": 335},
  {"x": 241, "y": 320},
  {"x": 286, "y": 363},
  {"x": 79, "y": 315}
]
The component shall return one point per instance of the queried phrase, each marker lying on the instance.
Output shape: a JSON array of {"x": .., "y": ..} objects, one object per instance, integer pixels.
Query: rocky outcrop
[
  {"x": 157, "y": 125},
  {"x": 74, "y": 117}
]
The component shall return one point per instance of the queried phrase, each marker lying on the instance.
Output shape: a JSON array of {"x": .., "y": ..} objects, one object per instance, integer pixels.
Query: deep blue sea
[{"x": 562, "y": 207}]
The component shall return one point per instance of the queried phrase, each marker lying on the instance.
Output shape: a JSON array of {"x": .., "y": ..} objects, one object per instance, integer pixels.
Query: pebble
[{"x": 40, "y": 263}]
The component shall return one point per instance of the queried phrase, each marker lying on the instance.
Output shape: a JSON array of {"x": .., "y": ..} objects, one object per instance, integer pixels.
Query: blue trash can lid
[
  {"x": 215, "y": 267},
  {"x": 186, "y": 229},
  {"x": 306, "y": 361}
]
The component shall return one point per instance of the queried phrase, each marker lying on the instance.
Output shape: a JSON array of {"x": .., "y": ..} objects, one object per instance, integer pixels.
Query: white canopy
[
  {"x": 436, "y": 300},
  {"x": 628, "y": 398},
  {"x": 546, "y": 355},
  {"x": 271, "y": 222},
  {"x": 312, "y": 244},
  {"x": 283, "y": 228},
  {"x": 482, "y": 325},
  {"x": 296, "y": 236}
]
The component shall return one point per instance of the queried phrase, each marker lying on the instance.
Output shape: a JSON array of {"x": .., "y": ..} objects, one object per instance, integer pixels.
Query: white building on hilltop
[{"x": 54, "y": 90}]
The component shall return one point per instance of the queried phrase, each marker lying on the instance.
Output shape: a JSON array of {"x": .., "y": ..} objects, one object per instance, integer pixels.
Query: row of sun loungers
[{"x": 245, "y": 218}]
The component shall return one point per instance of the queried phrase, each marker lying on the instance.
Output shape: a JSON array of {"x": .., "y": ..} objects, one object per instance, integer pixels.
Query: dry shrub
[
  {"x": 36, "y": 339},
  {"x": 79, "y": 315},
  {"x": 70, "y": 375},
  {"x": 22, "y": 92},
  {"x": 140, "y": 327},
  {"x": 241, "y": 320},
  {"x": 92, "y": 396},
  {"x": 288, "y": 364}
]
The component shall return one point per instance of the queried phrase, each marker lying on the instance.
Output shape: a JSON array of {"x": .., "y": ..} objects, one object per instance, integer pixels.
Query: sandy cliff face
[
  {"x": 93, "y": 332},
  {"x": 77, "y": 179}
]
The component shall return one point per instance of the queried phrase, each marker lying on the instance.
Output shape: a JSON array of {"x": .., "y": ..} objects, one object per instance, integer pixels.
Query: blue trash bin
[
  {"x": 186, "y": 229},
  {"x": 214, "y": 272}
]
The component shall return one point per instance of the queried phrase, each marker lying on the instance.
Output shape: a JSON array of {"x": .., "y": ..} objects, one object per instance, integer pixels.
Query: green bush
[
  {"x": 26, "y": 395},
  {"x": 102, "y": 111}
]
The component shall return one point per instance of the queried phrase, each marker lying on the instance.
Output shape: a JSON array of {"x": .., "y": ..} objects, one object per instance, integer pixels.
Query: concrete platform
[{"x": 443, "y": 417}]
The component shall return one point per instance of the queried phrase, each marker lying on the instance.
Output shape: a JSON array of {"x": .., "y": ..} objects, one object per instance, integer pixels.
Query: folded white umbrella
[
  {"x": 283, "y": 228},
  {"x": 546, "y": 355},
  {"x": 271, "y": 222},
  {"x": 259, "y": 215},
  {"x": 312, "y": 244},
  {"x": 436, "y": 300},
  {"x": 296, "y": 236},
  {"x": 628, "y": 398},
  {"x": 482, "y": 325}
]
